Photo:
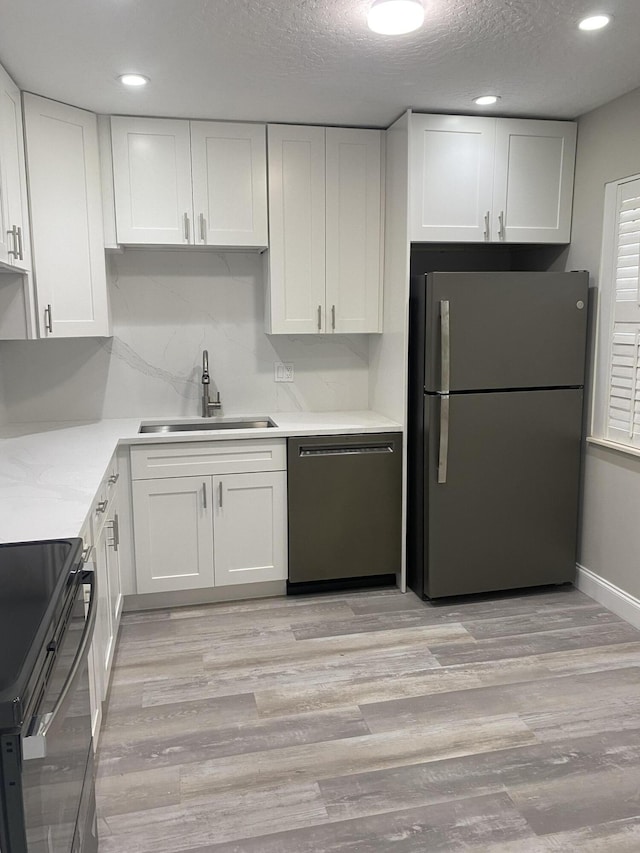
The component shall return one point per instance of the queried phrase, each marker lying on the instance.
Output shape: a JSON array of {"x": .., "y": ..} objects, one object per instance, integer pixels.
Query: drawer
[{"x": 207, "y": 457}]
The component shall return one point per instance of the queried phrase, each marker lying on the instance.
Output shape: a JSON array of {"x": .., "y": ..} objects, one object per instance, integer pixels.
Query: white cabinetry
[
  {"x": 107, "y": 541},
  {"x": 223, "y": 524},
  {"x": 101, "y": 540},
  {"x": 249, "y": 531},
  {"x": 533, "y": 180},
  {"x": 189, "y": 183},
  {"x": 479, "y": 179},
  {"x": 229, "y": 165},
  {"x": 14, "y": 231},
  {"x": 66, "y": 217},
  {"x": 173, "y": 533},
  {"x": 95, "y": 672},
  {"x": 325, "y": 202}
]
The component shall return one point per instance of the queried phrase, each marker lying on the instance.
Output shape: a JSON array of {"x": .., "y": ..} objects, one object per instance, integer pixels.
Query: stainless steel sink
[{"x": 196, "y": 426}]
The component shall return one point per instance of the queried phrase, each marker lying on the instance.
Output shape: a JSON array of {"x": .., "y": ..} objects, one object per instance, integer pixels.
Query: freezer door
[
  {"x": 506, "y": 330},
  {"x": 506, "y": 515}
]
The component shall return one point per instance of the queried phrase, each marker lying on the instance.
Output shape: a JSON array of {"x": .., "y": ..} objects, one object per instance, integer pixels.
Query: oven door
[{"x": 57, "y": 771}]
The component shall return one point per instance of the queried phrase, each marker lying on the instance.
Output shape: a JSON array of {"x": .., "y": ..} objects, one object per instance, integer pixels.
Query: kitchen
[{"x": 168, "y": 306}]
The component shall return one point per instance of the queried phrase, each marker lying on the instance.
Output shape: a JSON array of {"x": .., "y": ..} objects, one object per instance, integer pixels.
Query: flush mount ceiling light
[
  {"x": 594, "y": 22},
  {"x": 395, "y": 17},
  {"x": 486, "y": 100},
  {"x": 134, "y": 80}
]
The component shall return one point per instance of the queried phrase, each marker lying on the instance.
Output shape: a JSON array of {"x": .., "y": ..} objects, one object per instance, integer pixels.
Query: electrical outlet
[{"x": 283, "y": 371}]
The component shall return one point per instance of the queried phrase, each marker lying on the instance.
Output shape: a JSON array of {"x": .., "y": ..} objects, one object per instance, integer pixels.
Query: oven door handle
[{"x": 35, "y": 744}]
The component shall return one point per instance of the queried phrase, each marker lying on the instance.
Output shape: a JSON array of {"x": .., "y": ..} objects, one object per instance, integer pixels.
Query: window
[{"x": 620, "y": 313}]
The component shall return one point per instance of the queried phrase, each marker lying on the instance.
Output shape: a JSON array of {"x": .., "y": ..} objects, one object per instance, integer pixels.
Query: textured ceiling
[{"x": 315, "y": 61}]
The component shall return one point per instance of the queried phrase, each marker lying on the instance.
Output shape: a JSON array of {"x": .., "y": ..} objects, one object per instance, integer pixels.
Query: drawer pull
[{"x": 346, "y": 450}]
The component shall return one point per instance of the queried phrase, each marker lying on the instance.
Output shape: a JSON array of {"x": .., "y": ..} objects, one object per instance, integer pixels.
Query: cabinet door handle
[
  {"x": 204, "y": 495},
  {"x": 16, "y": 246},
  {"x": 502, "y": 235},
  {"x": 187, "y": 227},
  {"x": 487, "y": 225},
  {"x": 333, "y": 318},
  {"x": 319, "y": 318},
  {"x": 220, "y": 494},
  {"x": 20, "y": 246},
  {"x": 101, "y": 506},
  {"x": 203, "y": 229},
  {"x": 113, "y": 479},
  {"x": 48, "y": 319},
  {"x": 115, "y": 529}
]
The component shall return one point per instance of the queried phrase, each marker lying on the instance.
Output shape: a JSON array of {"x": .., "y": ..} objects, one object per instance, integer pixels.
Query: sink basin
[{"x": 196, "y": 426}]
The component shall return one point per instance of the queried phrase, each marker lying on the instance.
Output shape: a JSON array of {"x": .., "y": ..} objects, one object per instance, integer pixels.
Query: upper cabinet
[
  {"x": 229, "y": 168},
  {"x": 66, "y": 217},
  {"x": 533, "y": 180},
  {"x": 325, "y": 221},
  {"x": 14, "y": 230},
  {"x": 152, "y": 180},
  {"x": 189, "y": 183},
  {"x": 477, "y": 179}
]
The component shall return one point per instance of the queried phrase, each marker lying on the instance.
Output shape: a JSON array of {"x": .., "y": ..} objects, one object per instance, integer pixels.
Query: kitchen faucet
[{"x": 208, "y": 405}]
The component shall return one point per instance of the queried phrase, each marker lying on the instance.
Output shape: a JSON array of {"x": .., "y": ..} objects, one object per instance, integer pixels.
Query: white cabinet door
[
  {"x": 115, "y": 583},
  {"x": 95, "y": 670},
  {"x": 14, "y": 237},
  {"x": 533, "y": 184},
  {"x": 451, "y": 178},
  {"x": 66, "y": 217},
  {"x": 353, "y": 197},
  {"x": 104, "y": 639},
  {"x": 250, "y": 528},
  {"x": 229, "y": 171},
  {"x": 173, "y": 533},
  {"x": 296, "y": 302},
  {"x": 152, "y": 180}
]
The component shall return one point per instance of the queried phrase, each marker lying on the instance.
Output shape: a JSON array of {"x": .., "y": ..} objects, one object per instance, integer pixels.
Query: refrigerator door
[
  {"x": 506, "y": 330},
  {"x": 506, "y": 515}
]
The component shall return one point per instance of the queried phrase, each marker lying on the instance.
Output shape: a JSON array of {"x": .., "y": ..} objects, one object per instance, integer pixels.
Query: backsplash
[{"x": 167, "y": 306}]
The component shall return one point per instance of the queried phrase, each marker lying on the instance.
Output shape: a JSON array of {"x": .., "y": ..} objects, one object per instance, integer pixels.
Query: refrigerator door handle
[
  {"x": 445, "y": 347},
  {"x": 443, "y": 450}
]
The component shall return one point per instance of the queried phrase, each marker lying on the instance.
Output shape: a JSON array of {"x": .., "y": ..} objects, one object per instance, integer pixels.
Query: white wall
[
  {"x": 608, "y": 149},
  {"x": 167, "y": 306}
]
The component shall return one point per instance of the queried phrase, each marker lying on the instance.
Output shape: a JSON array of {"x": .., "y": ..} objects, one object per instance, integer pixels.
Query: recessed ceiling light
[
  {"x": 594, "y": 22},
  {"x": 133, "y": 79},
  {"x": 485, "y": 100},
  {"x": 395, "y": 17}
]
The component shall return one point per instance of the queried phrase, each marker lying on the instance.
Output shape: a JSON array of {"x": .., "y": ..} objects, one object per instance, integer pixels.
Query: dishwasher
[{"x": 345, "y": 509}]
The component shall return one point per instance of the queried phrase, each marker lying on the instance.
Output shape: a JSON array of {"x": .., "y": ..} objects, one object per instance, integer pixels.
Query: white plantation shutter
[{"x": 624, "y": 379}]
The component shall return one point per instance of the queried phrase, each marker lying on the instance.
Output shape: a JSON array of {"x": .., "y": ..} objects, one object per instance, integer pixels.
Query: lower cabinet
[
  {"x": 203, "y": 531},
  {"x": 250, "y": 528},
  {"x": 101, "y": 539},
  {"x": 173, "y": 533},
  {"x": 109, "y": 595}
]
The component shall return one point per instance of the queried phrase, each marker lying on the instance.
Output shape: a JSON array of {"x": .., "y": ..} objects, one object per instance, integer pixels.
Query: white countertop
[{"x": 50, "y": 472}]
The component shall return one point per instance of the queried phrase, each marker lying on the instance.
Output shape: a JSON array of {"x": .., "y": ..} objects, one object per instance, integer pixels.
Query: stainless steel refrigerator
[{"x": 496, "y": 379}]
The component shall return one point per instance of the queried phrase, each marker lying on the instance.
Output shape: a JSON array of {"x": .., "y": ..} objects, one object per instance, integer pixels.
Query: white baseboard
[{"x": 609, "y": 595}]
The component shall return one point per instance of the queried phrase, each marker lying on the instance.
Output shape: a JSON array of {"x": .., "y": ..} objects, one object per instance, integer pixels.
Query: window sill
[{"x": 613, "y": 445}]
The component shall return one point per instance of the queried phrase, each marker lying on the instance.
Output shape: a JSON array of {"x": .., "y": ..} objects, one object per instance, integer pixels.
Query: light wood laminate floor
[{"x": 372, "y": 721}]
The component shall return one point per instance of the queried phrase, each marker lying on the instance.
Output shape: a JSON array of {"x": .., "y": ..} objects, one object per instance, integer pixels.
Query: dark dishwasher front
[{"x": 345, "y": 506}]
